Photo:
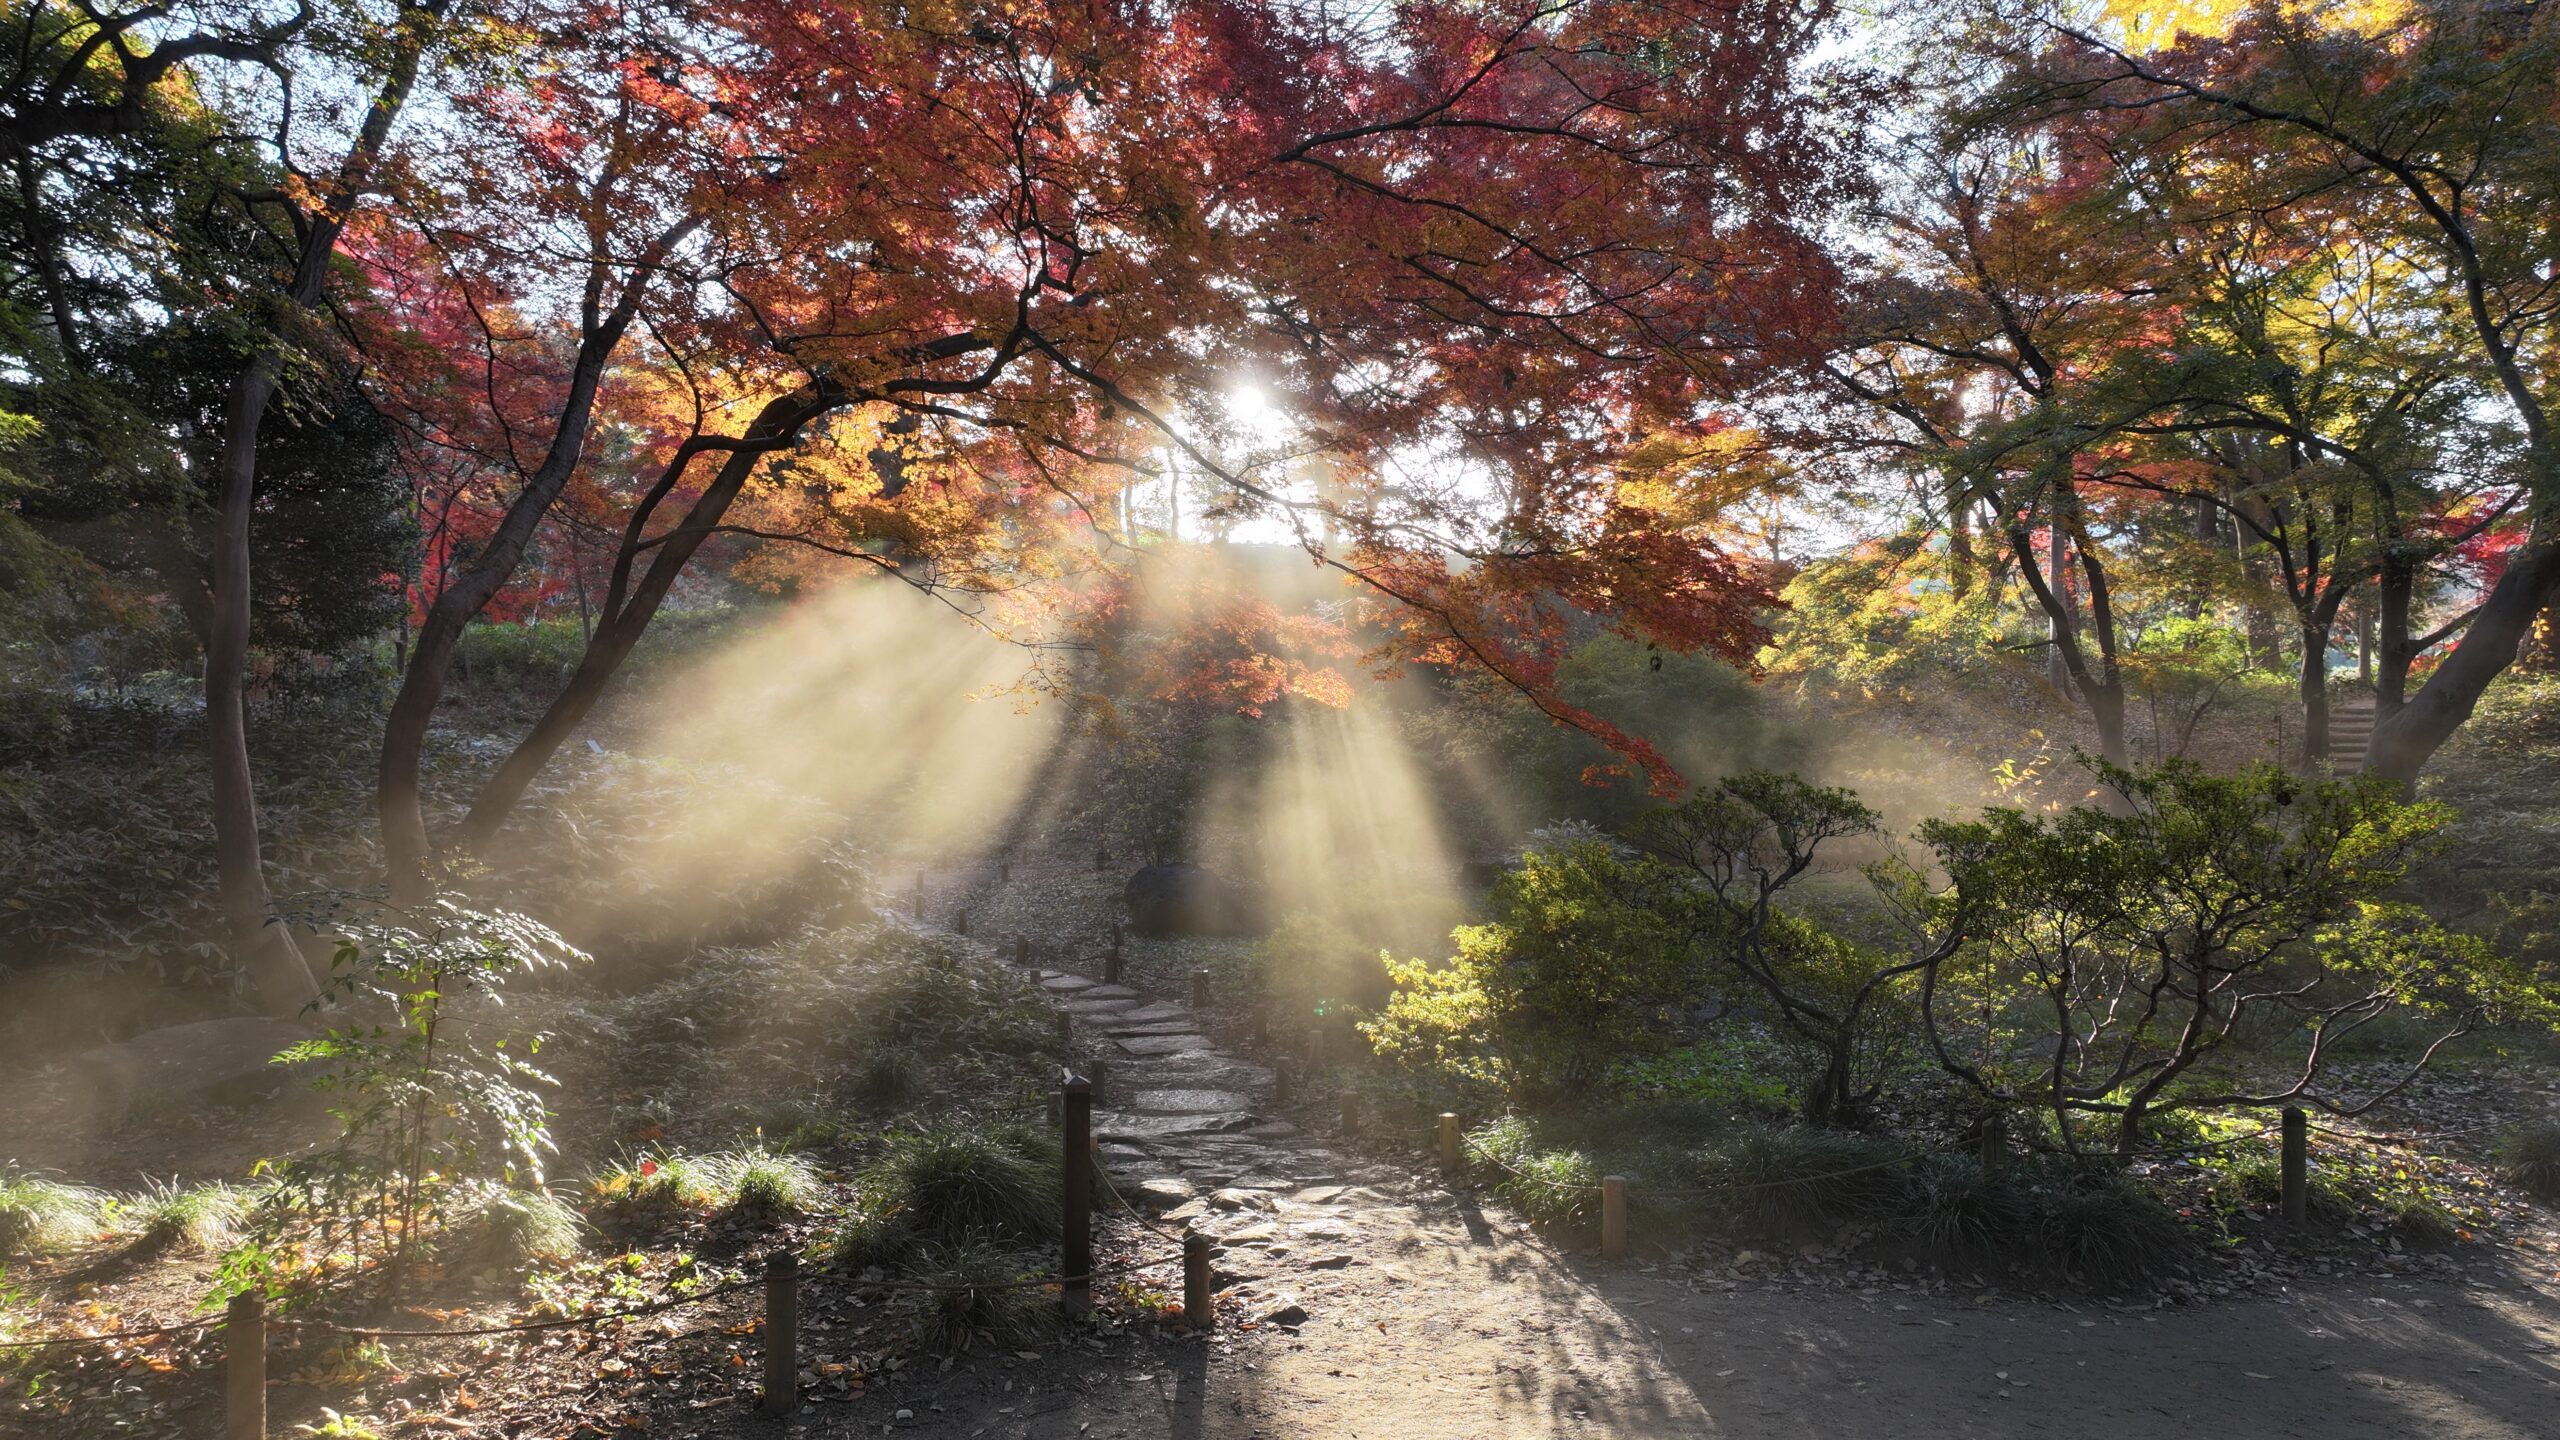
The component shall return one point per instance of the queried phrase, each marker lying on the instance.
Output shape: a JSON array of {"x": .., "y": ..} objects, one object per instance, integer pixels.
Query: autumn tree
[
  {"x": 2440, "y": 123},
  {"x": 1517, "y": 240}
]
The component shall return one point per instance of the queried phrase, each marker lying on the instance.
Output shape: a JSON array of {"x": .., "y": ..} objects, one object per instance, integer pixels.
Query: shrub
[
  {"x": 886, "y": 1073},
  {"x": 1551, "y": 1185},
  {"x": 2529, "y": 1157},
  {"x": 202, "y": 1217},
  {"x": 1577, "y": 970},
  {"x": 1781, "y": 1181},
  {"x": 653, "y": 1185},
  {"x": 508, "y": 1230},
  {"x": 2252, "y": 1177},
  {"x": 2100, "y": 1228},
  {"x": 764, "y": 1182},
  {"x": 422, "y": 1104},
  {"x": 872, "y": 1231},
  {"x": 978, "y": 1297},
  {"x": 1957, "y": 1208},
  {"x": 37, "y": 1214},
  {"x": 962, "y": 1181},
  {"x": 2423, "y": 1224}
]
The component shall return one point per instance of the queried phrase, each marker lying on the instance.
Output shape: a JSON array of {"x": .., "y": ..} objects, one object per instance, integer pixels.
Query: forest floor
[{"x": 1363, "y": 1295}]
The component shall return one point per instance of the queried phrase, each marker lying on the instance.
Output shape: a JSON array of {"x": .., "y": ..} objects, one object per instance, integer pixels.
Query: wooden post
[
  {"x": 1022, "y": 950},
  {"x": 1199, "y": 989},
  {"x": 1280, "y": 1083},
  {"x": 1199, "y": 1307},
  {"x": 244, "y": 1368},
  {"x": 1057, "y": 1116},
  {"x": 781, "y": 1333},
  {"x": 960, "y": 924},
  {"x": 1066, "y": 1027},
  {"x": 1099, "y": 1072},
  {"x": 1350, "y": 1112},
  {"x": 919, "y": 894},
  {"x": 2297, "y": 1166},
  {"x": 1315, "y": 1047},
  {"x": 1613, "y": 1217},
  {"x": 1075, "y": 1261},
  {"x": 1448, "y": 1141},
  {"x": 1111, "y": 964},
  {"x": 1995, "y": 1146}
]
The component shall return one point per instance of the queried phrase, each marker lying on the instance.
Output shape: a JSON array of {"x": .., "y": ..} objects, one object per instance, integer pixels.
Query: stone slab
[
  {"x": 1190, "y": 1102},
  {"x": 1164, "y": 1044}
]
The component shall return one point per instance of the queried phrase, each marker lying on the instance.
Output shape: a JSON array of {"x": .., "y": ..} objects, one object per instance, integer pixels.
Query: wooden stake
[
  {"x": 1448, "y": 1141},
  {"x": 960, "y": 924},
  {"x": 1199, "y": 989},
  {"x": 1022, "y": 950},
  {"x": 2297, "y": 1166},
  {"x": 244, "y": 1368},
  {"x": 919, "y": 894},
  {"x": 1350, "y": 1112},
  {"x": 1995, "y": 1146},
  {"x": 1613, "y": 1217},
  {"x": 781, "y": 1333},
  {"x": 1111, "y": 965},
  {"x": 1100, "y": 1071},
  {"x": 1075, "y": 1260},
  {"x": 1199, "y": 1307}
]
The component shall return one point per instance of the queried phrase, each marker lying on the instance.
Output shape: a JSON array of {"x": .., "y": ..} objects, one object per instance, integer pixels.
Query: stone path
[{"x": 1180, "y": 1134}]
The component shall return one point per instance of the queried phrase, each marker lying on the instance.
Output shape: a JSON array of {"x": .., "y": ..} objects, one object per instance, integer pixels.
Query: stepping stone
[
  {"x": 1111, "y": 992},
  {"x": 1234, "y": 1199},
  {"x": 1163, "y": 1044},
  {"x": 1260, "y": 1232},
  {"x": 1319, "y": 1194},
  {"x": 1062, "y": 984},
  {"x": 1164, "y": 1192},
  {"x": 1114, "y": 1027},
  {"x": 1188, "y": 1102},
  {"x": 1158, "y": 1013},
  {"x": 1275, "y": 1130},
  {"x": 1148, "y": 1127},
  {"x": 1095, "y": 1009}
]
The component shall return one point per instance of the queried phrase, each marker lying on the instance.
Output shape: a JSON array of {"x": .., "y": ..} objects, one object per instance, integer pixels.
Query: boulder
[
  {"x": 211, "y": 1062},
  {"x": 1179, "y": 899}
]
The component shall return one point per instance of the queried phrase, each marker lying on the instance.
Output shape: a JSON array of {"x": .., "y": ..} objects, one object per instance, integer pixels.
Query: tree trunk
[
  {"x": 2058, "y": 629},
  {"x": 624, "y": 620},
  {"x": 2406, "y": 739},
  {"x": 398, "y": 796},
  {"x": 275, "y": 964}
]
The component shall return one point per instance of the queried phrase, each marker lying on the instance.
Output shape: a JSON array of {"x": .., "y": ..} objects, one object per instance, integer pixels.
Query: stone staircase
[{"x": 2350, "y": 734}]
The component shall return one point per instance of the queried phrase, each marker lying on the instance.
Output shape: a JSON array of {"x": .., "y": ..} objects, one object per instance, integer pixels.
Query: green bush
[
  {"x": 206, "y": 1218},
  {"x": 886, "y": 1073},
  {"x": 1787, "y": 1180},
  {"x": 1957, "y": 1208},
  {"x": 37, "y": 1214},
  {"x": 961, "y": 1181},
  {"x": 979, "y": 1297},
  {"x": 655, "y": 1185},
  {"x": 2104, "y": 1230},
  {"x": 1578, "y": 970},
  {"x": 767, "y": 1183},
  {"x": 2529, "y": 1157},
  {"x": 1549, "y": 1184},
  {"x": 509, "y": 1230}
]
